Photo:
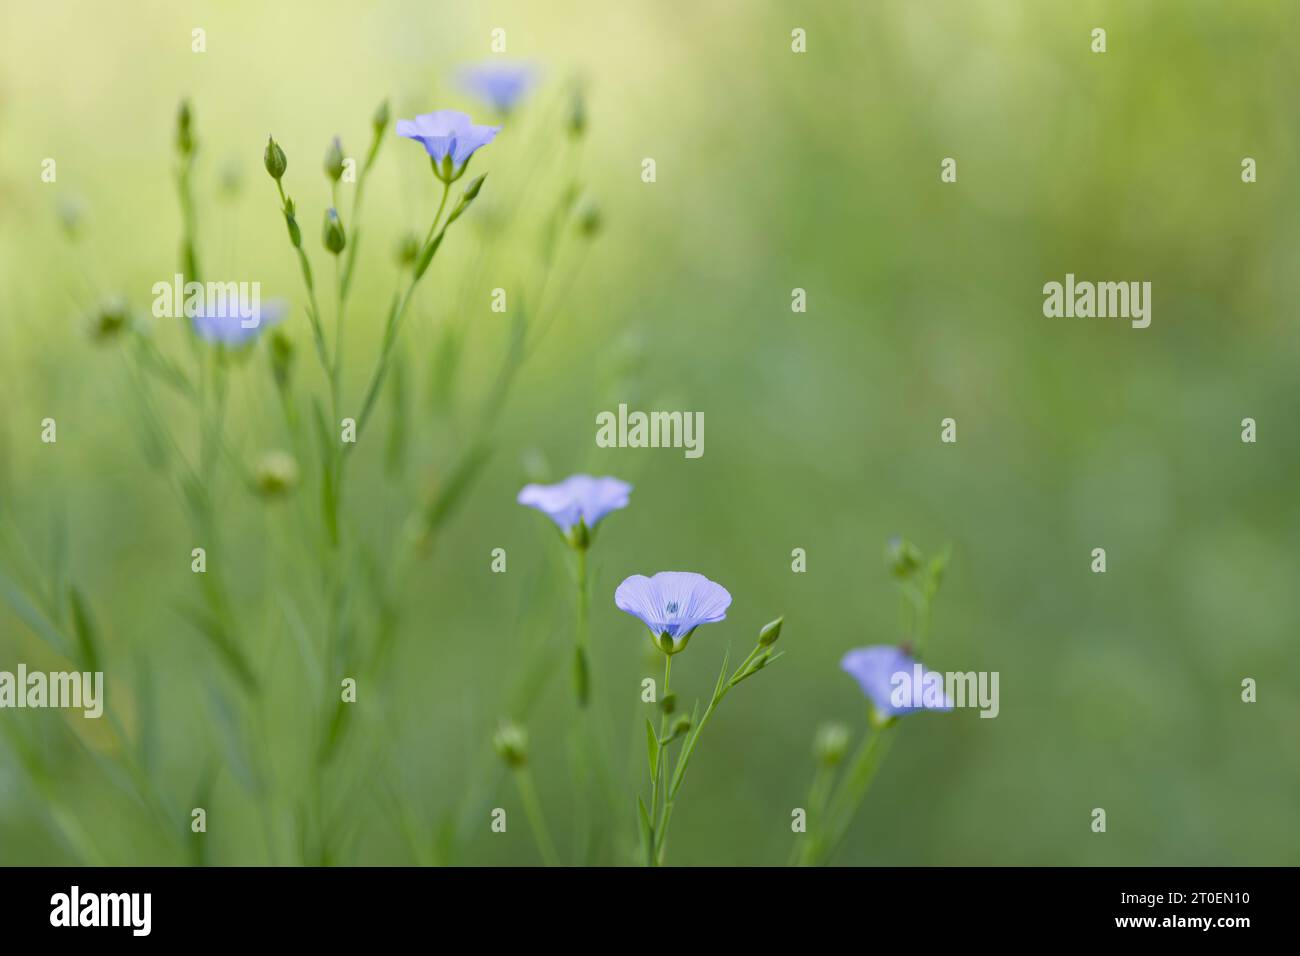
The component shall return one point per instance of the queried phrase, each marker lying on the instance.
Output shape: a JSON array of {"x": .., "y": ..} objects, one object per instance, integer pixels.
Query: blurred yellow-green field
[{"x": 774, "y": 171}]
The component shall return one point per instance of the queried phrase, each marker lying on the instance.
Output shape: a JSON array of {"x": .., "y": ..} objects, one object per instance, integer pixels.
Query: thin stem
[
  {"x": 533, "y": 810},
  {"x": 313, "y": 310},
  {"x": 817, "y": 793},
  {"x": 433, "y": 227},
  {"x": 393, "y": 326},
  {"x": 655, "y": 786},
  {"x": 350, "y": 262},
  {"x": 581, "y": 663},
  {"x": 850, "y": 794},
  {"x": 337, "y": 374}
]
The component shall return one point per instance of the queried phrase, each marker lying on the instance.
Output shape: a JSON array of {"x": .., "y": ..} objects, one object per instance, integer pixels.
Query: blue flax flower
[
  {"x": 226, "y": 323},
  {"x": 502, "y": 85},
  {"x": 449, "y": 137},
  {"x": 894, "y": 681},
  {"x": 673, "y": 604},
  {"x": 577, "y": 503}
]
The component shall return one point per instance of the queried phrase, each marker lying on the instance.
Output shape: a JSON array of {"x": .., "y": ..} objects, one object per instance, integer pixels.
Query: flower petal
[{"x": 578, "y": 496}]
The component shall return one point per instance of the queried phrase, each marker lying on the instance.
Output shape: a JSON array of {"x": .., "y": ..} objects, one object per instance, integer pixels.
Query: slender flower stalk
[
  {"x": 511, "y": 743},
  {"x": 186, "y": 148},
  {"x": 397, "y": 310},
  {"x": 536, "y": 819},
  {"x": 576, "y": 506},
  {"x": 276, "y": 165},
  {"x": 581, "y": 666}
]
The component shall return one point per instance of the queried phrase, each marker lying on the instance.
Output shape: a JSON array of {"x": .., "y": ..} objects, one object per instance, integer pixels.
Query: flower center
[{"x": 671, "y": 607}]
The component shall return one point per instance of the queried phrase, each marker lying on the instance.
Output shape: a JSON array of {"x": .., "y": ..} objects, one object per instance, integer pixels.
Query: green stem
[
  {"x": 848, "y": 798},
  {"x": 442, "y": 206},
  {"x": 816, "y": 803},
  {"x": 337, "y": 375},
  {"x": 581, "y": 663},
  {"x": 392, "y": 327},
  {"x": 356, "y": 214},
  {"x": 660, "y": 774},
  {"x": 533, "y": 810},
  {"x": 313, "y": 310}
]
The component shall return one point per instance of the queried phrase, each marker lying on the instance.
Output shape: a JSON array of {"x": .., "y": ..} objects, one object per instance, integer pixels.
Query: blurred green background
[{"x": 775, "y": 171}]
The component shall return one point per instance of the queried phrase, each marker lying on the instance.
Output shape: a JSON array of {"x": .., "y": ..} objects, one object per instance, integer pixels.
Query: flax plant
[{"x": 835, "y": 796}]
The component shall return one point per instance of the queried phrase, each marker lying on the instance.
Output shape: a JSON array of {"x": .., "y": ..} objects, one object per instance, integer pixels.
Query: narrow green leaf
[
  {"x": 26, "y": 611},
  {"x": 652, "y": 747},
  {"x": 722, "y": 674},
  {"x": 647, "y": 832},
  {"x": 83, "y": 627},
  {"x": 231, "y": 731},
  {"x": 442, "y": 506}
]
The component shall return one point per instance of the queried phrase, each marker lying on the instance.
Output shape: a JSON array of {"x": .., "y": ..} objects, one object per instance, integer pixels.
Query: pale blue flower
[
  {"x": 502, "y": 85},
  {"x": 578, "y": 498},
  {"x": 889, "y": 676},
  {"x": 449, "y": 137},
  {"x": 673, "y": 604},
  {"x": 238, "y": 320}
]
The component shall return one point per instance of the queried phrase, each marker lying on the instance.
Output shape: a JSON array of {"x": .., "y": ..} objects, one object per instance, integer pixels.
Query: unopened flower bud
[
  {"x": 577, "y": 114},
  {"x": 408, "y": 250},
  {"x": 231, "y": 179},
  {"x": 379, "y": 122},
  {"x": 281, "y": 358},
  {"x": 511, "y": 744},
  {"x": 334, "y": 160},
  {"x": 669, "y": 703},
  {"x": 110, "y": 318},
  {"x": 184, "y": 129},
  {"x": 902, "y": 558},
  {"x": 70, "y": 218},
  {"x": 682, "y": 725},
  {"x": 470, "y": 194},
  {"x": 830, "y": 744},
  {"x": 770, "y": 632},
  {"x": 471, "y": 191},
  {"x": 332, "y": 232},
  {"x": 274, "y": 158},
  {"x": 276, "y": 474},
  {"x": 589, "y": 218}
]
